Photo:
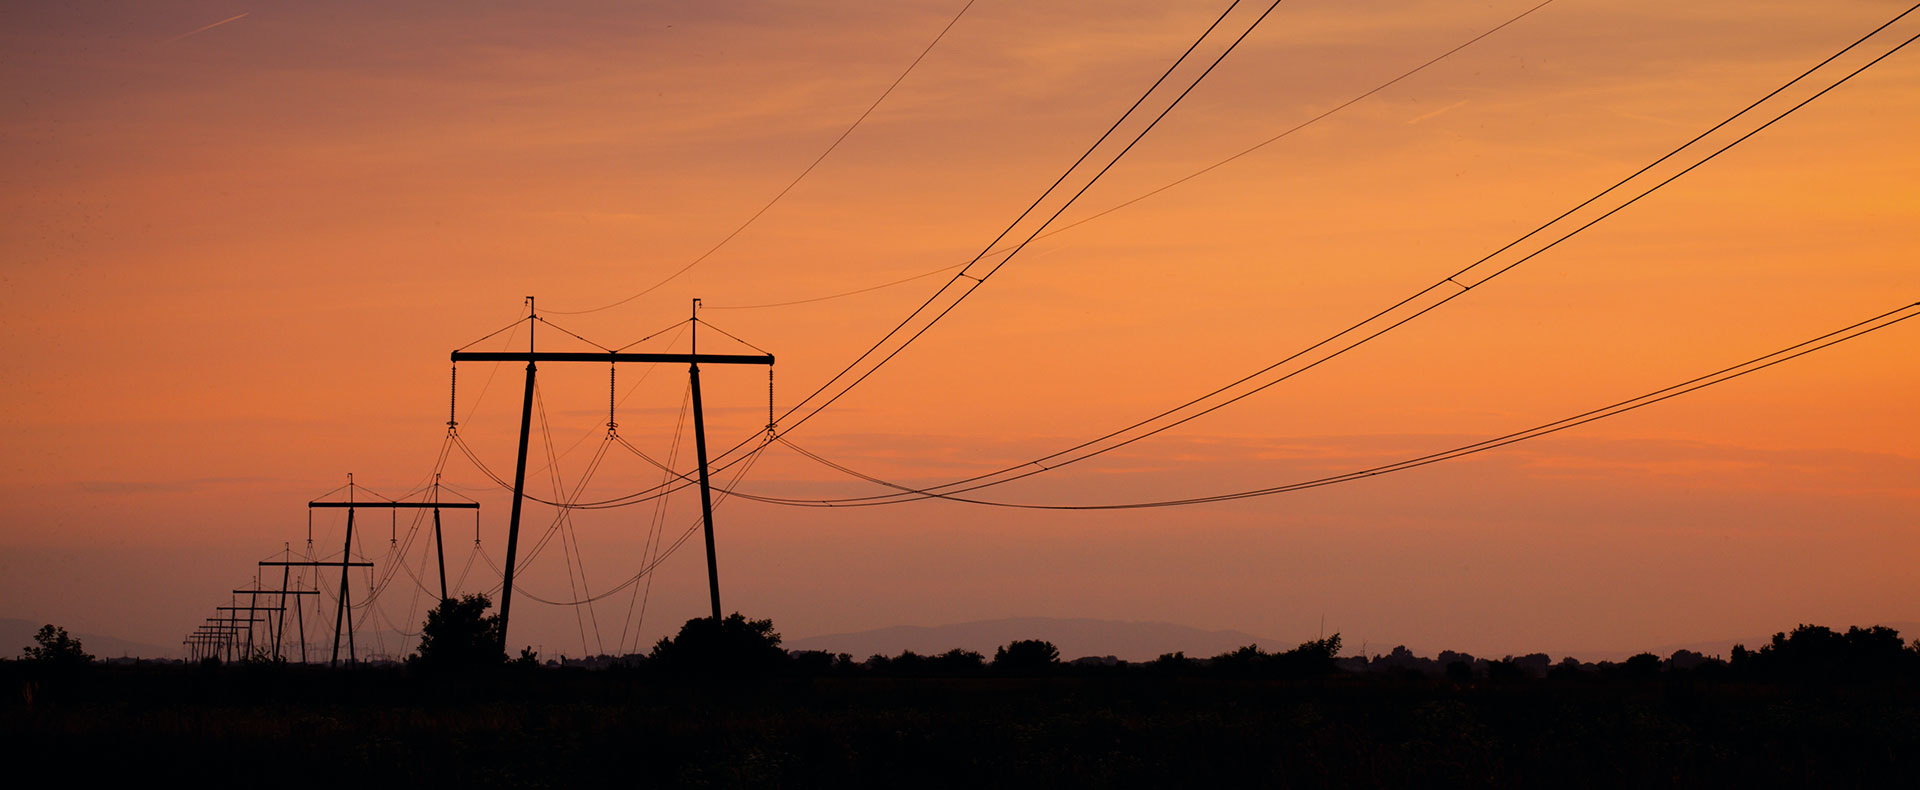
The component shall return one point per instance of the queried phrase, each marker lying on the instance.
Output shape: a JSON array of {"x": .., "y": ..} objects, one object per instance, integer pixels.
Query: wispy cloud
[
  {"x": 242, "y": 15},
  {"x": 1449, "y": 108}
]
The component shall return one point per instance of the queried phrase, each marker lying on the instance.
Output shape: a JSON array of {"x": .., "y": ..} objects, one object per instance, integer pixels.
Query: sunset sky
[{"x": 240, "y": 240}]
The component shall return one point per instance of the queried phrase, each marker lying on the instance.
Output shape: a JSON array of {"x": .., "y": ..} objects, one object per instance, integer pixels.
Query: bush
[
  {"x": 55, "y": 648},
  {"x": 1817, "y": 652},
  {"x": 459, "y": 634},
  {"x": 1026, "y": 655},
  {"x": 734, "y": 646}
]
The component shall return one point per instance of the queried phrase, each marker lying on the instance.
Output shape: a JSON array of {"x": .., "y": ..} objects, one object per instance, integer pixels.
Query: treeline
[
  {"x": 1809, "y": 652},
  {"x": 459, "y": 636},
  {"x": 1039, "y": 657},
  {"x": 722, "y": 704}
]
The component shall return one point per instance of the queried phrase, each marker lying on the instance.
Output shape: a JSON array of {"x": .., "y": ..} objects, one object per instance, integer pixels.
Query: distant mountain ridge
[{"x": 1076, "y": 637}]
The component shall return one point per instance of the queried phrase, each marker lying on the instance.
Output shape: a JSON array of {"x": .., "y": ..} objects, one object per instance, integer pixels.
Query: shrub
[
  {"x": 54, "y": 648},
  {"x": 459, "y": 634},
  {"x": 733, "y": 646}
]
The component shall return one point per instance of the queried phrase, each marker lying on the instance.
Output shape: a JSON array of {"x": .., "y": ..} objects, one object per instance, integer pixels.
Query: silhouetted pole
[
  {"x": 700, "y": 450},
  {"x": 251, "y": 610},
  {"x": 343, "y": 565},
  {"x": 280, "y": 628},
  {"x": 280, "y": 607},
  {"x": 300, "y": 619},
  {"x": 253, "y": 600},
  {"x": 221, "y": 629},
  {"x": 519, "y": 487},
  {"x": 206, "y": 643},
  {"x": 231, "y": 624},
  {"x": 340, "y": 608},
  {"x": 435, "y": 506},
  {"x": 211, "y": 629},
  {"x": 344, "y": 610},
  {"x": 439, "y": 543}
]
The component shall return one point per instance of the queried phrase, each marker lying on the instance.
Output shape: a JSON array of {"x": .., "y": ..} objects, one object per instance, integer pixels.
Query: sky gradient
[{"x": 240, "y": 240}]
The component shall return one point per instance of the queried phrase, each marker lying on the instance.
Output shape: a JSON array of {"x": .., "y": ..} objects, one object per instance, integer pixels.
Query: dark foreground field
[{"x": 225, "y": 726}]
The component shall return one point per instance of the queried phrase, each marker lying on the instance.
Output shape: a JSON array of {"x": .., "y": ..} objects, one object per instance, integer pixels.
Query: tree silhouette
[
  {"x": 460, "y": 634},
  {"x": 1816, "y": 651},
  {"x": 1642, "y": 666},
  {"x": 1026, "y": 655},
  {"x": 1240, "y": 661},
  {"x": 1505, "y": 670},
  {"x": 734, "y": 646},
  {"x": 55, "y": 648},
  {"x": 958, "y": 661},
  {"x": 1310, "y": 658}
]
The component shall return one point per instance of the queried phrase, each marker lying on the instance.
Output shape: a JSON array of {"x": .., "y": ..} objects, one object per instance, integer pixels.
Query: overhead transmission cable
[
  {"x": 569, "y": 538},
  {"x": 1055, "y": 460},
  {"x": 678, "y": 328},
  {"x": 722, "y": 490},
  {"x": 1039, "y": 465},
  {"x": 1176, "y": 182},
  {"x": 932, "y": 491},
  {"x": 979, "y": 280},
  {"x": 660, "y": 555},
  {"x": 656, "y": 525},
  {"x": 1756, "y": 364},
  {"x": 791, "y": 184}
]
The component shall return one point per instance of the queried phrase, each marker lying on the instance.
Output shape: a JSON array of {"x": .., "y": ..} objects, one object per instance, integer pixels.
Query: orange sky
[{"x": 236, "y": 260}]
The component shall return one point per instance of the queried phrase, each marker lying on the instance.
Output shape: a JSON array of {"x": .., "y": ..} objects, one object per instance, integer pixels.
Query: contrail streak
[
  {"x": 1449, "y": 108},
  {"x": 243, "y": 15}
]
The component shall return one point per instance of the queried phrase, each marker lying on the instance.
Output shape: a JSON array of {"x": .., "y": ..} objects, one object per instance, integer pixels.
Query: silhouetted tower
[
  {"x": 693, "y": 361},
  {"x": 352, "y": 505}
]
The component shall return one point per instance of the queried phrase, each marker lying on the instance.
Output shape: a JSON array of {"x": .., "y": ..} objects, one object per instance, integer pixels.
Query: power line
[
  {"x": 1176, "y": 182},
  {"x": 661, "y": 557},
  {"x": 858, "y": 291},
  {"x": 640, "y": 496},
  {"x": 796, "y": 179},
  {"x": 981, "y": 279},
  {"x": 1756, "y": 364},
  {"x": 908, "y": 493},
  {"x": 1051, "y": 461}
]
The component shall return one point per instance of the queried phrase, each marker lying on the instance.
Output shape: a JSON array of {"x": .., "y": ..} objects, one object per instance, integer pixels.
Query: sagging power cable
[
  {"x": 791, "y": 184},
  {"x": 1754, "y": 365},
  {"x": 1460, "y": 283},
  {"x": 1169, "y": 185}
]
